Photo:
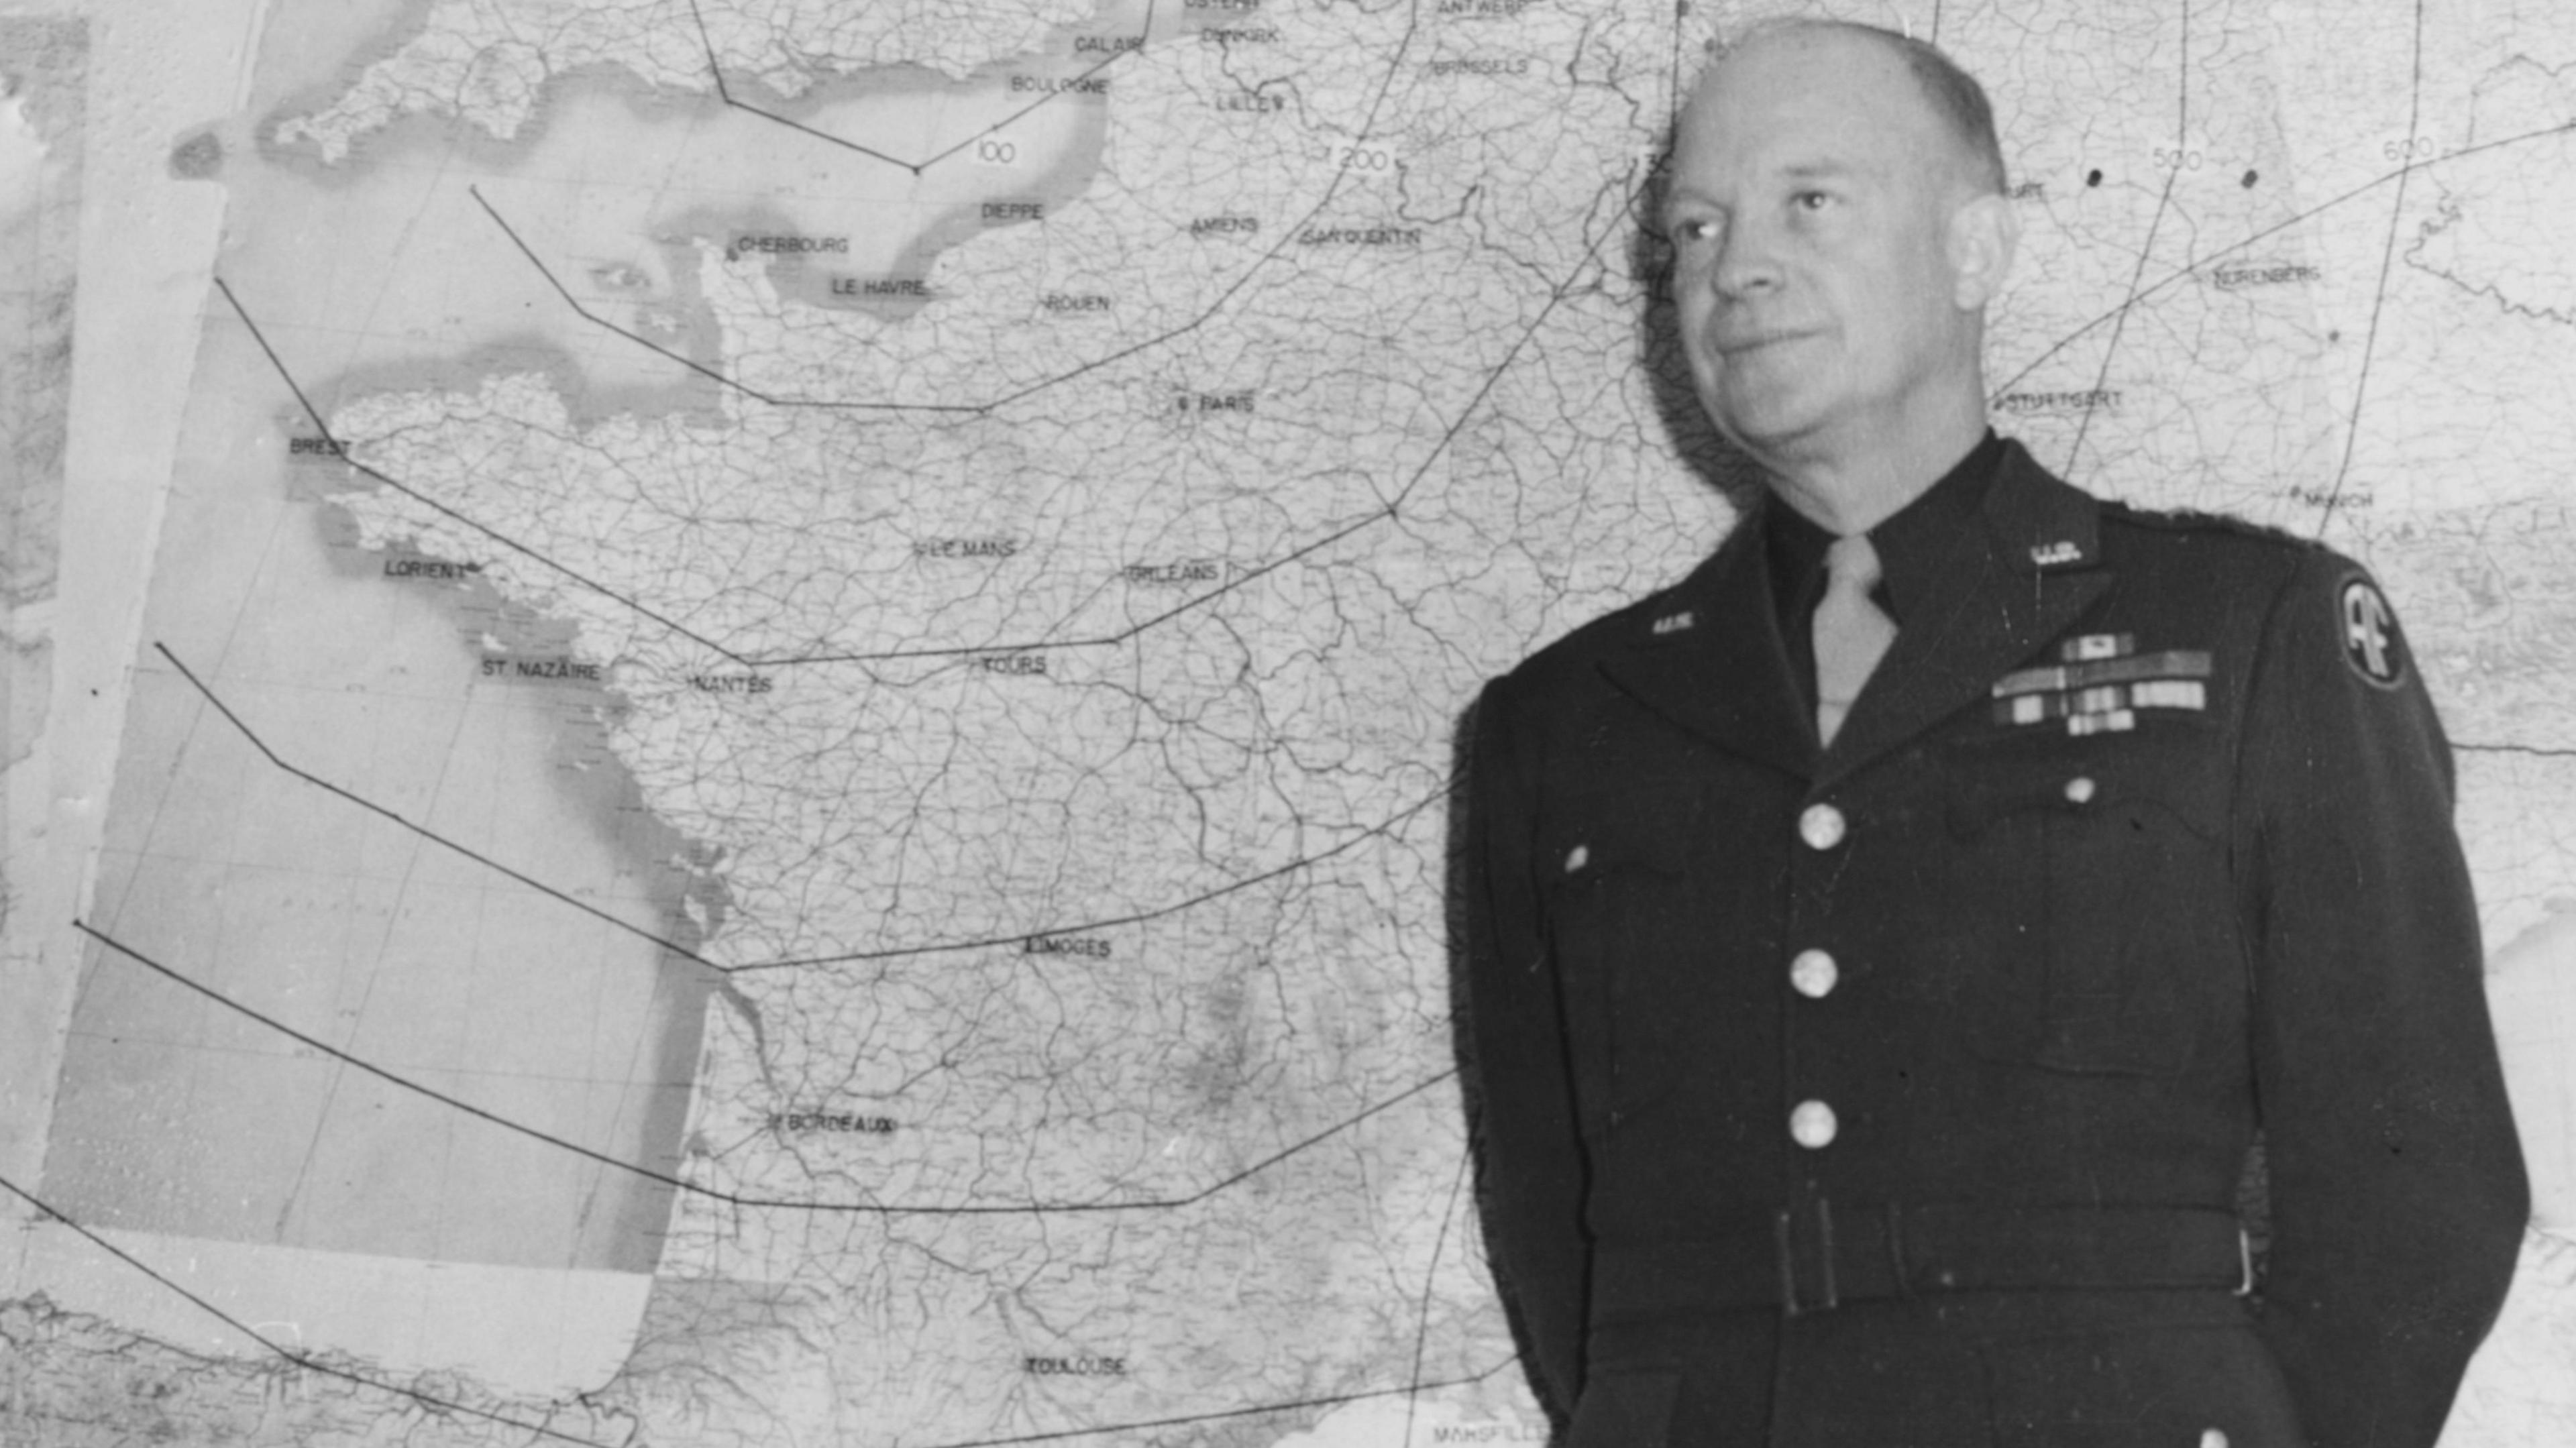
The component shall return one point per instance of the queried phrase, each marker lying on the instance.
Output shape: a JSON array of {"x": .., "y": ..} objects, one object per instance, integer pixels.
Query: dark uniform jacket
[{"x": 1897, "y": 1094}]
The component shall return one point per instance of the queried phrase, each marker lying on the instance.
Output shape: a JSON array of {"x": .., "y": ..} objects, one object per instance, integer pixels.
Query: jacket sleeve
[
  {"x": 1528, "y": 1150},
  {"x": 2398, "y": 1196}
]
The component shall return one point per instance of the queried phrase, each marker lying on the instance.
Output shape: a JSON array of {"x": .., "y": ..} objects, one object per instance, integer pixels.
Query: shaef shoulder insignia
[
  {"x": 1673, "y": 623},
  {"x": 2101, "y": 684},
  {"x": 2368, "y": 627}
]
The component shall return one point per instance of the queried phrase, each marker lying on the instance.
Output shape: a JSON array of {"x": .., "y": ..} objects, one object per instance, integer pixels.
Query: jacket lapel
[
  {"x": 1707, "y": 656},
  {"x": 2019, "y": 582}
]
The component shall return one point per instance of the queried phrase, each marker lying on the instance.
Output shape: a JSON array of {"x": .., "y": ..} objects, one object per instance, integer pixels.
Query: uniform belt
[{"x": 1830, "y": 1255}]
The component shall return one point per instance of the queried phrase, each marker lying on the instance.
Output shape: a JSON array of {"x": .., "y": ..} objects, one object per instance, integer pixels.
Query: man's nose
[{"x": 1748, "y": 260}]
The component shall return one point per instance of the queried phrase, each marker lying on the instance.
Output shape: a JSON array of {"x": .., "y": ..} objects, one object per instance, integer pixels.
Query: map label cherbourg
[{"x": 757, "y": 245}]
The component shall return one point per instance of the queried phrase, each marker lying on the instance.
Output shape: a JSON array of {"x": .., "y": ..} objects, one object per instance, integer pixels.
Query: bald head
[{"x": 1951, "y": 96}]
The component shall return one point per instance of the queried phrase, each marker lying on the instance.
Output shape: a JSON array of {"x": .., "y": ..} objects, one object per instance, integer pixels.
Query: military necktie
[{"x": 1851, "y": 632}]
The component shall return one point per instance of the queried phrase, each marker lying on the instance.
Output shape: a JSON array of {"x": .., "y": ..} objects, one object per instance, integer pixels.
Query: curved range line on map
[
  {"x": 2176, "y": 278},
  {"x": 301, "y": 1360},
  {"x": 899, "y": 952},
  {"x": 2120, "y": 328},
  {"x": 315, "y": 414},
  {"x": 1388, "y": 512},
  {"x": 1412, "y": 1389},
  {"x": 432, "y": 1400},
  {"x": 2379, "y": 294},
  {"x": 1144, "y": 35},
  {"x": 734, "y": 1199}
]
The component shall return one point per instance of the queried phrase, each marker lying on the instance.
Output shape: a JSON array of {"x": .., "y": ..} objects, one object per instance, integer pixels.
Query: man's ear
[{"x": 1984, "y": 230}]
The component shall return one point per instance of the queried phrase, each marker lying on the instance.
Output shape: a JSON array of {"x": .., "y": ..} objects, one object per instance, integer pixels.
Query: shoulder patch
[{"x": 2372, "y": 645}]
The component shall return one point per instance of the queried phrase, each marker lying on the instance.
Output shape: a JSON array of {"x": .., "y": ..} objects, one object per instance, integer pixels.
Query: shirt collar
[{"x": 1912, "y": 543}]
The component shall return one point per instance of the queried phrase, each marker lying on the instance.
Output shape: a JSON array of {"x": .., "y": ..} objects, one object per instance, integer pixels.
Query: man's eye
[
  {"x": 1815, "y": 200},
  {"x": 1696, "y": 229}
]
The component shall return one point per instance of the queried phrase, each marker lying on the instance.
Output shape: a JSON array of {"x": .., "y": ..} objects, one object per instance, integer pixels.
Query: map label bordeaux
[
  {"x": 831, "y": 1121},
  {"x": 1091, "y": 947},
  {"x": 1075, "y": 1367},
  {"x": 989, "y": 547}
]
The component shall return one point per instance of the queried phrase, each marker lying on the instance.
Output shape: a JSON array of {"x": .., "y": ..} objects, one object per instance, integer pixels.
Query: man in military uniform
[{"x": 1884, "y": 946}]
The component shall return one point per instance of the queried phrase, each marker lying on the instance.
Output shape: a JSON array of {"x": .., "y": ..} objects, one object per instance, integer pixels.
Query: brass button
[
  {"x": 2213, "y": 1438},
  {"x": 1822, "y": 827},
  {"x": 1814, "y": 973},
  {"x": 1812, "y": 1125},
  {"x": 2079, "y": 790},
  {"x": 1577, "y": 858}
]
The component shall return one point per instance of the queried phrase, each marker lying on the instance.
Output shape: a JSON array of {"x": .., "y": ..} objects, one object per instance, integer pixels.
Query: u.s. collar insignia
[
  {"x": 1673, "y": 623},
  {"x": 2368, "y": 626},
  {"x": 2057, "y": 554}
]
